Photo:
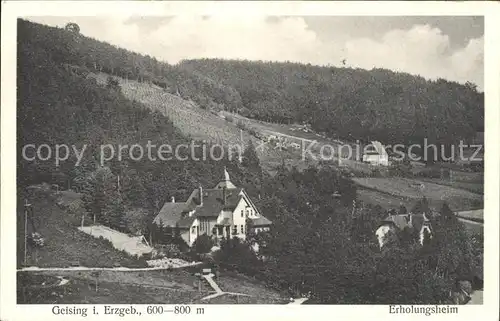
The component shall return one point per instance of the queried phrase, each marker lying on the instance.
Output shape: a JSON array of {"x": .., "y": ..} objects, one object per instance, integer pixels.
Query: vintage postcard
[{"x": 279, "y": 160}]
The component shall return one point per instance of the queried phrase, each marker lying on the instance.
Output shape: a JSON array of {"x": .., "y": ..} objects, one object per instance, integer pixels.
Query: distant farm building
[{"x": 376, "y": 154}]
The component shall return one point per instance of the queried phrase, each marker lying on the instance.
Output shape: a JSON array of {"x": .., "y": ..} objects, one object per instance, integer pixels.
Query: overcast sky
[{"x": 445, "y": 47}]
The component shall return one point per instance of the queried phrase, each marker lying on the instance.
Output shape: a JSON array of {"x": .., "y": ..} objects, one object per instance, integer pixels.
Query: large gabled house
[{"x": 218, "y": 212}]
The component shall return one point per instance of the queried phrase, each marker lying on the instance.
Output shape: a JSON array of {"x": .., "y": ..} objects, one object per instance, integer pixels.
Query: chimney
[
  {"x": 200, "y": 191},
  {"x": 173, "y": 199}
]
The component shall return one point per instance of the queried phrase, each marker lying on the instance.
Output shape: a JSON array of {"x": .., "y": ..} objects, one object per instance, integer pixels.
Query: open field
[
  {"x": 477, "y": 188},
  {"x": 408, "y": 190},
  {"x": 473, "y": 227},
  {"x": 386, "y": 201},
  {"x": 475, "y": 215}
]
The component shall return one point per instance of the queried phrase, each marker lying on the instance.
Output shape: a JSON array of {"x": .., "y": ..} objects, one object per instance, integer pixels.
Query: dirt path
[
  {"x": 120, "y": 241},
  {"x": 83, "y": 268},
  {"x": 218, "y": 291}
]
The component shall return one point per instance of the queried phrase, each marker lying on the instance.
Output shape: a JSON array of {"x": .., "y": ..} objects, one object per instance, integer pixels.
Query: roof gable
[
  {"x": 402, "y": 221},
  {"x": 375, "y": 148},
  {"x": 171, "y": 213}
]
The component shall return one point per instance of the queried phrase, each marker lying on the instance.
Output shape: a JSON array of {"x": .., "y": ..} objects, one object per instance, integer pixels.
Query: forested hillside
[
  {"x": 342, "y": 102},
  {"x": 377, "y": 104}
]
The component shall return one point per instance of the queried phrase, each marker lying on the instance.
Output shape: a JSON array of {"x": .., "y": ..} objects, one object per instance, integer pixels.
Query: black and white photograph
[{"x": 262, "y": 159}]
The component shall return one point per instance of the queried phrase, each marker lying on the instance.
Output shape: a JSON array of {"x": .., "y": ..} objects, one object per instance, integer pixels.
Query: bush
[
  {"x": 112, "y": 83},
  {"x": 253, "y": 132},
  {"x": 202, "y": 244},
  {"x": 241, "y": 125}
]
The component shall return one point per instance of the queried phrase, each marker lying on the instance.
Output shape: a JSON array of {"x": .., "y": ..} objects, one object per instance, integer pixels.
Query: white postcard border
[{"x": 11, "y": 10}]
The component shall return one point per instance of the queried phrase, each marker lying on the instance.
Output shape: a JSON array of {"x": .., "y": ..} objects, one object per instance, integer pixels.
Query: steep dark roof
[
  {"x": 213, "y": 202},
  {"x": 173, "y": 214},
  {"x": 415, "y": 221},
  {"x": 186, "y": 222},
  {"x": 170, "y": 213},
  {"x": 400, "y": 221}
]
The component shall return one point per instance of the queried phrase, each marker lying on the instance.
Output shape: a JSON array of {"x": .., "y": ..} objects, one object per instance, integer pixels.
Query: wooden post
[
  {"x": 25, "y": 234},
  {"x": 26, "y": 206},
  {"x": 96, "y": 275}
]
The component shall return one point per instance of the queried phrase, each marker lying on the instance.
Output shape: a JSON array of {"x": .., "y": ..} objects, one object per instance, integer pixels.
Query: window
[
  {"x": 242, "y": 230},
  {"x": 241, "y": 213},
  {"x": 248, "y": 213},
  {"x": 193, "y": 230},
  {"x": 235, "y": 229}
]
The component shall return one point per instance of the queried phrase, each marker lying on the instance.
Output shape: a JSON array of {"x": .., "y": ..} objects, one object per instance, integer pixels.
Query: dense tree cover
[
  {"x": 327, "y": 245},
  {"x": 342, "y": 102}
]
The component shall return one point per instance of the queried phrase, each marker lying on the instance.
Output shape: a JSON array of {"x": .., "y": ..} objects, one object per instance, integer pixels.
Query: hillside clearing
[
  {"x": 187, "y": 117},
  {"x": 404, "y": 190}
]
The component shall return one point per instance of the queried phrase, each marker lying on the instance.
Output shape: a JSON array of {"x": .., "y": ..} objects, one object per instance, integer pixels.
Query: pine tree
[
  {"x": 446, "y": 212},
  {"x": 422, "y": 206},
  {"x": 250, "y": 158}
]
